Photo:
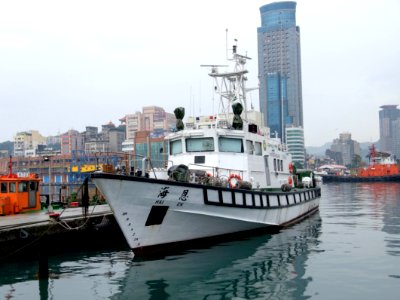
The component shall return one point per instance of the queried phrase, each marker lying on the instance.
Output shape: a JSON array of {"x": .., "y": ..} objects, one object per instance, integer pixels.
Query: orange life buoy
[{"x": 233, "y": 179}]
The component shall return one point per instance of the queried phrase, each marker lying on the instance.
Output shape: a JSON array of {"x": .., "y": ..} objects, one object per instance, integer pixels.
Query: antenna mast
[{"x": 226, "y": 43}]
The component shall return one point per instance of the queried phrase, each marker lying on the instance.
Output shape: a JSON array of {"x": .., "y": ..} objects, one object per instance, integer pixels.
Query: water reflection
[
  {"x": 390, "y": 195},
  {"x": 366, "y": 205},
  {"x": 264, "y": 267},
  {"x": 78, "y": 275}
]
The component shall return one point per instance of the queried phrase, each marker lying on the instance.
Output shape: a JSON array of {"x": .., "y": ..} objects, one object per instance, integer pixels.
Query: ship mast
[
  {"x": 372, "y": 154},
  {"x": 231, "y": 86},
  {"x": 10, "y": 167}
]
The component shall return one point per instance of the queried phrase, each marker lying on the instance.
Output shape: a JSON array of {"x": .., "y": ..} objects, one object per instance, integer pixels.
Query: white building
[
  {"x": 27, "y": 141},
  {"x": 295, "y": 144}
]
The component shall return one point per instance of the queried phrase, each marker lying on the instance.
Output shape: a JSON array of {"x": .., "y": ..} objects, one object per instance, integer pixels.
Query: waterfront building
[
  {"x": 116, "y": 138},
  {"x": 133, "y": 124},
  {"x": 105, "y": 131},
  {"x": 108, "y": 140},
  {"x": 155, "y": 117},
  {"x": 344, "y": 149},
  {"x": 31, "y": 152},
  {"x": 295, "y": 144},
  {"x": 91, "y": 133},
  {"x": 61, "y": 172},
  {"x": 279, "y": 67},
  {"x": 72, "y": 140},
  {"x": 26, "y": 143},
  {"x": 145, "y": 145},
  {"x": 152, "y": 118},
  {"x": 96, "y": 146},
  {"x": 4, "y": 153},
  {"x": 127, "y": 145},
  {"x": 389, "y": 129},
  {"x": 53, "y": 140}
]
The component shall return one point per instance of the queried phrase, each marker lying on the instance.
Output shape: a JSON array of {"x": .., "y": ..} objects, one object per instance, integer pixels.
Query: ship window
[
  {"x": 249, "y": 147},
  {"x": 22, "y": 187},
  {"x": 176, "y": 147},
  {"x": 200, "y": 159},
  {"x": 257, "y": 148},
  {"x": 230, "y": 145},
  {"x": 200, "y": 144},
  {"x": 12, "y": 187},
  {"x": 33, "y": 186},
  {"x": 4, "y": 187},
  {"x": 275, "y": 164}
]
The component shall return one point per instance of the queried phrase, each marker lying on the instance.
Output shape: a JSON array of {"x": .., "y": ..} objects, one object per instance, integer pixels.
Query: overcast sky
[{"x": 70, "y": 64}]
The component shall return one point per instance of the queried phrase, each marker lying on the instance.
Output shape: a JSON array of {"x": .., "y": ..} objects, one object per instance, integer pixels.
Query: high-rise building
[
  {"x": 389, "y": 129},
  {"x": 279, "y": 67},
  {"x": 295, "y": 144},
  {"x": 347, "y": 148},
  {"x": 72, "y": 140},
  {"x": 133, "y": 123}
]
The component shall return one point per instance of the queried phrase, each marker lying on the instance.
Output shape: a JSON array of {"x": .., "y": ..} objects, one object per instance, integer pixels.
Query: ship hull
[
  {"x": 155, "y": 213},
  {"x": 339, "y": 178}
]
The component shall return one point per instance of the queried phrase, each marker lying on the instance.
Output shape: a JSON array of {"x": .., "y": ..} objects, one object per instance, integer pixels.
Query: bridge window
[
  {"x": 176, "y": 147},
  {"x": 33, "y": 186},
  {"x": 12, "y": 187},
  {"x": 4, "y": 187},
  {"x": 257, "y": 148},
  {"x": 22, "y": 187},
  {"x": 249, "y": 147},
  {"x": 200, "y": 144},
  {"x": 230, "y": 145}
]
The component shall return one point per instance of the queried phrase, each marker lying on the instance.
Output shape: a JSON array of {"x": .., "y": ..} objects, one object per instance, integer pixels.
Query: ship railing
[{"x": 218, "y": 171}]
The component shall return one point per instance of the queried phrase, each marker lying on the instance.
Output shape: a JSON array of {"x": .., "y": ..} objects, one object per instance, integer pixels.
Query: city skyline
[{"x": 76, "y": 64}]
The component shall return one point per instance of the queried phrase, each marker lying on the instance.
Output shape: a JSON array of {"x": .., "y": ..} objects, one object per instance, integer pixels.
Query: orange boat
[
  {"x": 382, "y": 168},
  {"x": 19, "y": 192}
]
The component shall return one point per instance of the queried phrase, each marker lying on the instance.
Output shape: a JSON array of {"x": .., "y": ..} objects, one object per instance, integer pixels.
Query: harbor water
[{"x": 350, "y": 249}]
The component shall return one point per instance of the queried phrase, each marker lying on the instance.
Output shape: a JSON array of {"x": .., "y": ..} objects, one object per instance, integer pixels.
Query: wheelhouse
[
  {"x": 19, "y": 193},
  {"x": 261, "y": 161}
]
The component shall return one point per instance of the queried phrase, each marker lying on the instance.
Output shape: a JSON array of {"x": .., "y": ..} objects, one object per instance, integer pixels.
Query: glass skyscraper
[
  {"x": 279, "y": 67},
  {"x": 389, "y": 129}
]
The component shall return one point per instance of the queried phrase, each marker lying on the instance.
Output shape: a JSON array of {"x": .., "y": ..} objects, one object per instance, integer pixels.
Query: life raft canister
[{"x": 290, "y": 180}]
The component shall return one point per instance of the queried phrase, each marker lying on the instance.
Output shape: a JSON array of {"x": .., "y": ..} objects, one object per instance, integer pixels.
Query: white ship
[{"x": 226, "y": 175}]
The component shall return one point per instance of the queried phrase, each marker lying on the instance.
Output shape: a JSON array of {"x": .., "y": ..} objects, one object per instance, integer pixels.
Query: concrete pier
[{"x": 21, "y": 234}]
